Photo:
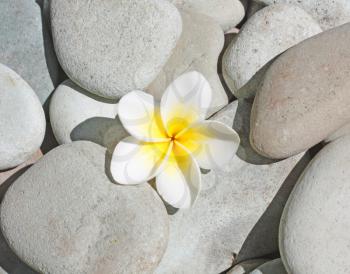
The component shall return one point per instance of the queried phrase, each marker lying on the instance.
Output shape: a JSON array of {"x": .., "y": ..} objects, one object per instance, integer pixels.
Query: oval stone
[
  {"x": 70, "y": 218},
  {"x": 112, "y": 47},
  {"x": 22, "y": 120},
  {"x": 314, "y": 230},
  {"x": 304, "y": 97}
]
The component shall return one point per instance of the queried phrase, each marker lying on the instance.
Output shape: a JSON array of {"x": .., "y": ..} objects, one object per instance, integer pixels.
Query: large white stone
[
  {"x": 22, "y": 120},
  {"x": 228, "y": 13},
  {"x": 204, "y": 237},
  {"x": 112, "y": 47},
  {"x": 314, "y": 230},
  {"x": 265, "y": 35},
  {"x": 198, "y": 49},
  {"x": 70, "y": 218}
]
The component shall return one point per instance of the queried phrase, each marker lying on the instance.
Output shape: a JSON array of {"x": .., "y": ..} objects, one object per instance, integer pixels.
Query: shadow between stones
[
  {"x": 262, "y": 240},
  {"x": 9, "y": 261},
  {"x": 57, "y": 74},
  {"x": 228, "y": 39}
]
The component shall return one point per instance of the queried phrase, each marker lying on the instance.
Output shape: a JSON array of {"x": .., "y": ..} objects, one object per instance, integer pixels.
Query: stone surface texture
[
  {"x": 315, "y": 223},
  {"x": 265, "y": 35},
  {"x": 22, "y": 120},
  {"x": 70, "y": 218},
  {"x": 329, "y": 14},
  {"x": 304, "y": 97},
  {"x": 112, "y": 47}
]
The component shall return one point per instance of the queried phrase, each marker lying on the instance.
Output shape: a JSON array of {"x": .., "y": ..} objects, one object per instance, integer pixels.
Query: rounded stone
[
  {"x": 112, "y": 47},
  {"x": 316, "y": 220},
  {"x": 272, "y": 267},
  {"x": 228, "y": 13},
  {"x": 70, "y": 218},
  {"x": 265, "y": 35},
  {"x": 304, "y": 97},
  {"x": 71, "y": 107},
  {"x": 22, "y": 120},
  {"x": 328, "y": 13},
  {"x": 198, "y": 49}
]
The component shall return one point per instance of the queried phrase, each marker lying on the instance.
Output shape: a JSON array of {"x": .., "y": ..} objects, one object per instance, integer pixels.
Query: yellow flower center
[{"x": 177, "y": 134}]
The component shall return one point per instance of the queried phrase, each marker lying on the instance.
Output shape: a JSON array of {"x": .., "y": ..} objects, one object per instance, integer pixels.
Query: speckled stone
[
  {"x": 70, "y": 218},
  {"x": 328, "y": 13},
  {"x": 22, "y": 120},
  {"x": 265, "y": 35},
  {"x": 113, "y": 47}
]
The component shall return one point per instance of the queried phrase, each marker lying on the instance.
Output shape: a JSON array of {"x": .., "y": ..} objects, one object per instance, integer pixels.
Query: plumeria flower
[{"x": 171, "y": 140}]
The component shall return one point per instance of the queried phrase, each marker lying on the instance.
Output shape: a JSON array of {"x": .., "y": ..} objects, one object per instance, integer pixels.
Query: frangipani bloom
[{"x": 170, "y": 140}]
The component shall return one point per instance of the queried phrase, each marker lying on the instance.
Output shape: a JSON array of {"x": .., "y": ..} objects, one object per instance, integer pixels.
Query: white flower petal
[
  {"x": 180, "y": 180},
  {"x": 135, "y": 162},
  {"x": 211, "y": 143},
  {"x": 185, "y": 101},
  {"x": 140, "y": 116}
]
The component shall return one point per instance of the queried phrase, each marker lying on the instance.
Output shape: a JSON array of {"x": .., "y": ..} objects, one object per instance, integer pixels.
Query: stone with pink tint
[{"x": 304, "y": 97}]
